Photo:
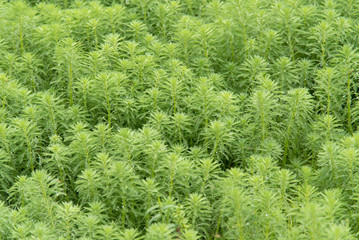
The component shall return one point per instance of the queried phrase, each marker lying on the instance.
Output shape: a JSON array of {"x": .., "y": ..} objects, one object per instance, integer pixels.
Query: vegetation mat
[{"x": 187, "y": 119}]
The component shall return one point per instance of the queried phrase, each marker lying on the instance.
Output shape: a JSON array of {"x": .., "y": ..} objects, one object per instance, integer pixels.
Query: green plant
[
  {"x": 179, "y": 119},
  {"x": 68, "y": 56},
  {"x": 299, "y": 107}
]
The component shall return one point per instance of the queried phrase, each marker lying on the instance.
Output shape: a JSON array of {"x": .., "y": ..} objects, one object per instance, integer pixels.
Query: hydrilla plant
[
  {"x": 199, "y": 212},
  {"x": 6, "y": 172},
  {"x": 178, "y": 119},
  {"x": 329, "y": 90},
  {"x": 82, "y": 148},
  {"x": 218, "y": 138},
  {"x": 68, "y": 56},
  {"x": 265, "y": 110},
  {"x": 347, "y": 57},
  {"x": 27, "y": 143},
  {"x": 299, "y": 107},
  {"x": 32, "y": 70}
]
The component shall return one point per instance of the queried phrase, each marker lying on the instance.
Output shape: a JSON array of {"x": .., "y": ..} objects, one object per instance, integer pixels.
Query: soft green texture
[{"x": 188, "y": 119}]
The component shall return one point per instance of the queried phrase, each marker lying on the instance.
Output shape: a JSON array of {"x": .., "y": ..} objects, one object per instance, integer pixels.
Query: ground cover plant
[{"x": 159, "y": 119}]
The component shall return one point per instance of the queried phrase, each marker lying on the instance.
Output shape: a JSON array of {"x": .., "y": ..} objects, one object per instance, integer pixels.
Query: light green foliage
[{"x": 193, "y": 119}]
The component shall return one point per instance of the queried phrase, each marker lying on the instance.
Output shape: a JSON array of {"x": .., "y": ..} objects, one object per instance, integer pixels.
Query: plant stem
[{"x": 349, "y": 118}]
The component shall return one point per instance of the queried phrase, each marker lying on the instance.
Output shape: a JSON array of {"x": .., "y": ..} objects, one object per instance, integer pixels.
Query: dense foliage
[{"x": 159, "y": 119}]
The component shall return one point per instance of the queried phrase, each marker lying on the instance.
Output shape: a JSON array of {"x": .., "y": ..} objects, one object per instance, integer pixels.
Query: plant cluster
[{"x": 164, "y": 119}]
